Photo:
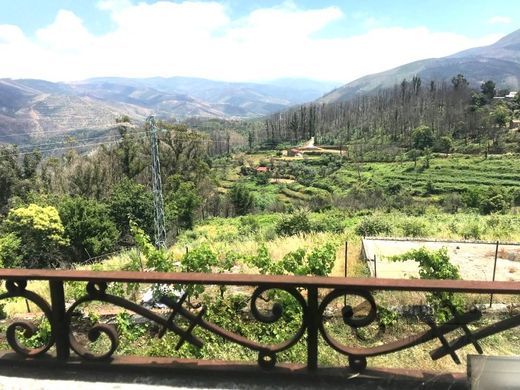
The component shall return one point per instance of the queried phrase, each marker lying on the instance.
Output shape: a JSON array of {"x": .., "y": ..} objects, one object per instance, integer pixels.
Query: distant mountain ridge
[
  {"x": 499, "y": 62},
  {"x": 32, "y": 108},
  {"x": 35, "y": 107}
]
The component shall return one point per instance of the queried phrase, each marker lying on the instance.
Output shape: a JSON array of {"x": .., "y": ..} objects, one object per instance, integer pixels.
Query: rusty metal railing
[{"x": 313, "y": 296}]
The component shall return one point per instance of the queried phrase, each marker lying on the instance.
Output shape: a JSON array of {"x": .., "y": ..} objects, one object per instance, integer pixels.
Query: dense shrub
[
  {"x": 452, "y": 202},
  {"x": 130, "y": 201},
  {"x": 422, "y": 137},
  {"x": 489, "y": 200},
  {"x": 88, "y": 227},
  {"x": 269, "y": 233},
  {"x": 393, "y": 188},
  {"x": 157, "y": 259},
  {"x": 414, "y": 227},
  {"x": 40, "y": 232},
  {"x": 320, "y": 201},
  {"x": 515, "y": 194},
  {"x": 470, "y": 148},
  {"x": 241, "y": 198},
  {"x": 248, "y": 225},
  {"x": 472, "y": 230},
  {"x": 443, "y": 144},
  {"x": 298, "y": 223},
  {"x": 329, "y": 222},
  {"x": 365, "y": 196},
  {"x": 262, "y": 178},
  {"x": 199, "y": 259},
  {"x": 321, "y": 260},
  {"x": 181, "y": 203},
  {"x": 318, "y": 262},
  {"x": 263, "y": 261},
  {"x": 10, "y": 255},
  {"x": 294, "y": 262},
  {"x": 373, "y": 226},
  {"x": 495, "y": 200},
  {"x": 402, "y": 201},
  {"x": 472, "y": 197}
]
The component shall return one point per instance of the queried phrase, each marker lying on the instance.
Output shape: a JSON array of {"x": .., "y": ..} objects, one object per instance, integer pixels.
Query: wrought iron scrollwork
[
  {"x": 17, "y": 288},
  {"x": 266, "y": 352},
  {"x": 357, "y": 356},
  {"x": 95, "y": 291},
  {"x": 307, "y": 313}
]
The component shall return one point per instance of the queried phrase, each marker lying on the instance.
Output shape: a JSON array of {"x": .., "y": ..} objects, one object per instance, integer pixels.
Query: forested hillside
[{"x": 454, "y": 113}]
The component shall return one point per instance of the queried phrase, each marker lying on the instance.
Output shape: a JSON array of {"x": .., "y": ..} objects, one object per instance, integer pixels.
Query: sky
[{"x": 238, "y": 40}]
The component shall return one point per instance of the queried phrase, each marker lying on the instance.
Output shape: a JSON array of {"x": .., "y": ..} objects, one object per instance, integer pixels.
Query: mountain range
[
  {"x": 499, "y": 62},
  {"x": 32, "y": 109}
]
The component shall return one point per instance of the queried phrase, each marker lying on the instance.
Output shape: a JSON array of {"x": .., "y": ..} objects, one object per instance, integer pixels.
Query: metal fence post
[
  {"x": 345, "y": 270},
  {"x": 312, "y": 328},
  {"x": 346, "y": 259},
  {"x": 59, "y": 325},
  {"x": 494, "y": 273}
]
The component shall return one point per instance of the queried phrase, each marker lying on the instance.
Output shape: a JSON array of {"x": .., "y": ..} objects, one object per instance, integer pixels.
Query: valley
[{"x": 282, "y": 182}]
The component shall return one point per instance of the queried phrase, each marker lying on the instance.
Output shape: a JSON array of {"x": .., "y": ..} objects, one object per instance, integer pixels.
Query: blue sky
[{"x": 239, "y": 40}]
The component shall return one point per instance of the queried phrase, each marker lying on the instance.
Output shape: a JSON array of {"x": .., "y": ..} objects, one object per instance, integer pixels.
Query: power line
[
  {"x": 66, "y": 148},
  {"x": 37, "y": 146},
  {"x": 115, "y": 127},
  {"x": 53, "y": 132},
  {"x": 187, "y": 134},
  {"x": 180, "y": 135},
  {"x": 16, "y": 153},
  {"x": 23, "y": 146}
]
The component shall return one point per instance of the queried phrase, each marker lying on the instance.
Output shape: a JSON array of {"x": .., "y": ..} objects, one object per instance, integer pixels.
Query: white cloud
[
  {"x": 65, "y": 33},
  {"x": 10, "y": 34},
  {"x": 499, "y": 20},
  {"x": 201, "y": 39},
  {"x": 113, "y": 5}
]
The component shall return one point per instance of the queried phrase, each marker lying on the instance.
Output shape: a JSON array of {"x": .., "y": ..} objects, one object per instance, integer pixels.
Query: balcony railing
[{"x": 313, "y": 297}]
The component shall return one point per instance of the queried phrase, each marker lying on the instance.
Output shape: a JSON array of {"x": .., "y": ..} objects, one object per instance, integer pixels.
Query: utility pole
[{"x": 158, "y": 202}]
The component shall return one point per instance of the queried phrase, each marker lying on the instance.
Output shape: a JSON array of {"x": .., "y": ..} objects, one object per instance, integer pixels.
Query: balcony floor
[{"x": 132, "y": 374}]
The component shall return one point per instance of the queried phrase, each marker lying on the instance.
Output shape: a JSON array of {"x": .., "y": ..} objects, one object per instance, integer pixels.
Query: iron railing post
[
  {"x": 59, "y": 325},
  {"x": 312, "y": 328}
]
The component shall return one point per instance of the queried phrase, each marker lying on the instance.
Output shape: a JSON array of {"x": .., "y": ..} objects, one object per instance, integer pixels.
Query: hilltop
[
  {"x": 499, "y": 62},
  {"x": 35, "y": 107}
]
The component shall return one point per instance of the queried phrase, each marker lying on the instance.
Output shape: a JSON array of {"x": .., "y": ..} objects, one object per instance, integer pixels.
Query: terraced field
[
  {"x": 445, "y": 174},
  {"x": 453, "y": 173}
]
